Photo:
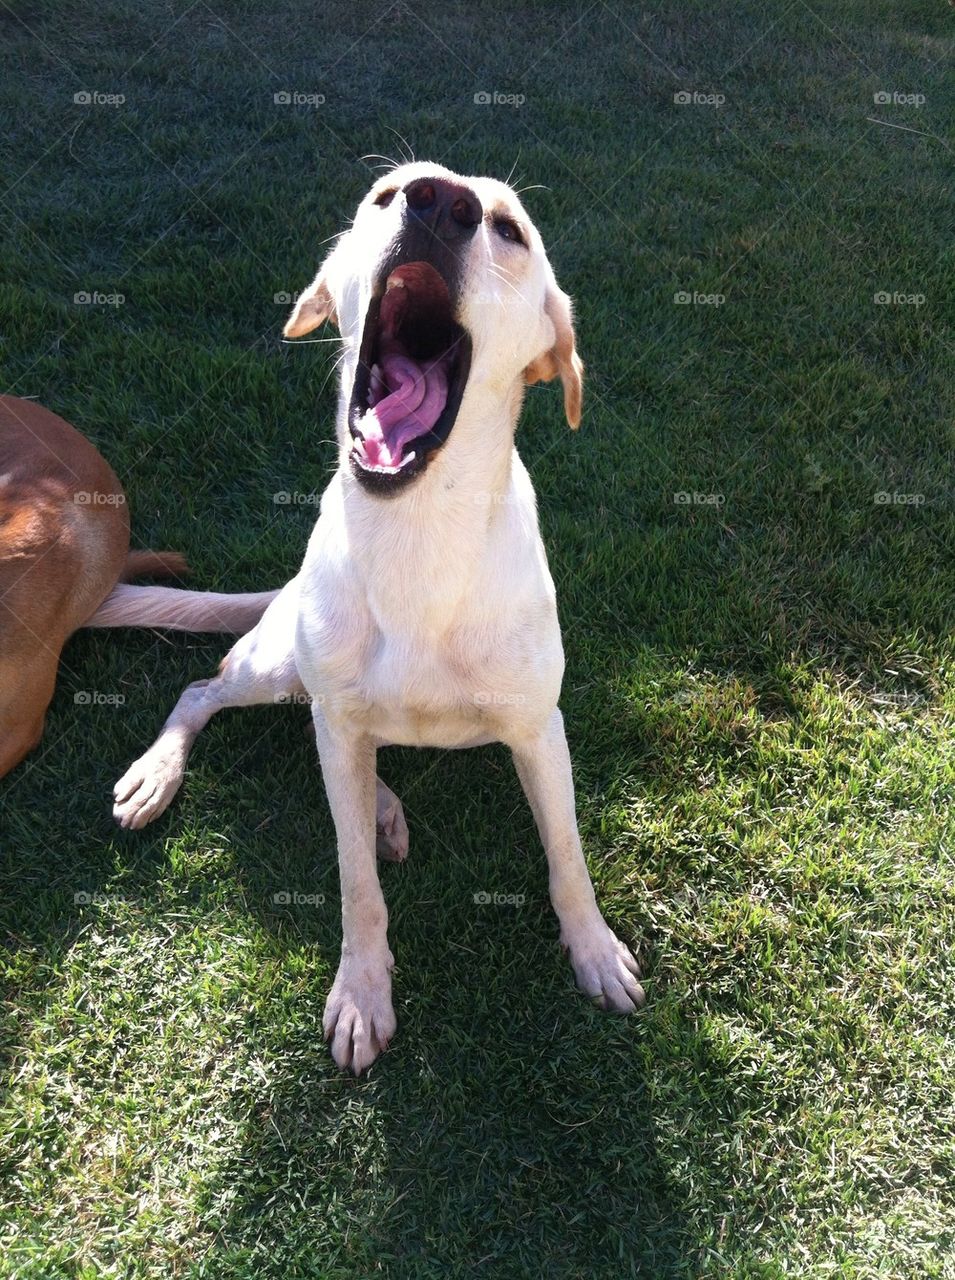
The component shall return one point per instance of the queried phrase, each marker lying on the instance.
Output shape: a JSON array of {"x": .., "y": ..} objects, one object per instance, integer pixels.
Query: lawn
[{"x": 753, "y": 540}]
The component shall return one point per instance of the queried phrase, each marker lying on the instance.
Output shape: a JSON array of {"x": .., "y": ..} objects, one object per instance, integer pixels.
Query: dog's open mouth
[{"x": 413, "y": 365}]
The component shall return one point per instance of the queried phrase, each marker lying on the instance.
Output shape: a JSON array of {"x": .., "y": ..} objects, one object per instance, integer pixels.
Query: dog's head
[{"x": 442, "y": 291}]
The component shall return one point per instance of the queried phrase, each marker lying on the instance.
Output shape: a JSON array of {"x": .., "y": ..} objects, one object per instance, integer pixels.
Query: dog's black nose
[{"x": 448, "y": 209}]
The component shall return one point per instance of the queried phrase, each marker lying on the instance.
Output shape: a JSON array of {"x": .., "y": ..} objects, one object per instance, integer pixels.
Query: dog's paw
[
  {"x": 391, "y": 830},
  {"x": 359, "y": 1018},
  {"x": 605, "y": 969},
  {"x": 145, "y": 790}
]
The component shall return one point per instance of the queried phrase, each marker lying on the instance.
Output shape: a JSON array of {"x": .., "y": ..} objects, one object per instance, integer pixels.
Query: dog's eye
[
  {"x": 507, "y": 229},
  {"x": 384, "y": 198}
]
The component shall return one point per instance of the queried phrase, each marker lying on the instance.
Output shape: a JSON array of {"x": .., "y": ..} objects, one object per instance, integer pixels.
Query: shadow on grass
[
  {"x": 511, "y": 1126},
  {"x": 486, "y": 1138}
]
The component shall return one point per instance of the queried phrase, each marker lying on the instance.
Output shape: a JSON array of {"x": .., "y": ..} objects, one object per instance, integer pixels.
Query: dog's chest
[
  {"x": 424, "y": 645},
  {"x": 446, "y": 693},
  {"x": 458, "y": 689}
]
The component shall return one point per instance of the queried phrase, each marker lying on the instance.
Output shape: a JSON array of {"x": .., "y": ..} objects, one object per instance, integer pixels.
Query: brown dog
[{"x": 64, "y": 545}]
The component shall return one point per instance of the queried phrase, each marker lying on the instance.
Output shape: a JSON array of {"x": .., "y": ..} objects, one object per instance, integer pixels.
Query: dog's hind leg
[
  {"x": 146, "y": 788},
  {"x": 27, "y": 677},
  {"x": 391, "y": 830},
  {"x": 260, "y": 668}
]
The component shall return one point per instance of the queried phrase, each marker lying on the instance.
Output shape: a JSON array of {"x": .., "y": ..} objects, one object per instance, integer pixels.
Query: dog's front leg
[
  {"x": 359, "y": 1018},
  {"x": 604, "y": 967}
]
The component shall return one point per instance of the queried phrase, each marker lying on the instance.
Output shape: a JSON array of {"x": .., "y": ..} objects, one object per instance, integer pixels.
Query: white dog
[{"x": 424, "y": 613}]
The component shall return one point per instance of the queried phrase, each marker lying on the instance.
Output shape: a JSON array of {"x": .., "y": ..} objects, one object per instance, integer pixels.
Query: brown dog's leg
[{"x": 26, "y": 687}]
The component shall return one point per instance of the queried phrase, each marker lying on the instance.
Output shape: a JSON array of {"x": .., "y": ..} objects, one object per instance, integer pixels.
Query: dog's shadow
[
  {"x": 511, "y": 1125},
  {"x": 488, "y": 1140},
  {"x": 493, "y": 1131}
]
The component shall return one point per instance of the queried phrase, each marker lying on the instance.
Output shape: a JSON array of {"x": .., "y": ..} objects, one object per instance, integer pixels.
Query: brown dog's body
[{"x": 64, "y": 545}]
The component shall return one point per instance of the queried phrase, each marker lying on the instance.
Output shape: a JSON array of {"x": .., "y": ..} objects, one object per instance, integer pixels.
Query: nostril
[
  {"x": 463, "y": 211},
  {"x": 421, "y": 196},
  {"x": 446, "y": 208}
]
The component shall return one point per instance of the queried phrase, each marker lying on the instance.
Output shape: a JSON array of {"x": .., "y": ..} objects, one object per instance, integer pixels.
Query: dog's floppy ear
[
  {"x": 562, "y": 359},
  {"x": 315, "y": 305}
]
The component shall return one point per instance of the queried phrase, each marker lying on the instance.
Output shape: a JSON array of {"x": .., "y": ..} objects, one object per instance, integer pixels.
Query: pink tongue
[{"x": 408, "y": 400}]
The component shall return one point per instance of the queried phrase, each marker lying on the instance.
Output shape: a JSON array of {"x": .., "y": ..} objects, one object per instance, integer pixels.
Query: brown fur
[
  {"x": 562, "y": 359},
  {"x": 64, "y": 546},
  {"x": 59, "y": 557},
  {"x": 157, "y": 564}
]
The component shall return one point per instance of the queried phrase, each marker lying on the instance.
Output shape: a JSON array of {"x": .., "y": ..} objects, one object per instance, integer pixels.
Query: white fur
[
  {"x": 176, "y": 610},
  {"x": 424, "y": 619}
]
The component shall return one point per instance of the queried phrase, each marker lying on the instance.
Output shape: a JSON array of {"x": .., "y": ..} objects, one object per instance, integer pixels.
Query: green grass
[{"x": 759, "y": 691}]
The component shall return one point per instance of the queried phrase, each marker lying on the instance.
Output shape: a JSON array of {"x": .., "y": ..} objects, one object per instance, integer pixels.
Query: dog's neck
[{"x": 423, "y": 551}]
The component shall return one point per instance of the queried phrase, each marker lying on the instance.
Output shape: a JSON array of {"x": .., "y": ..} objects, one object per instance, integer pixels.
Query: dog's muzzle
[{"x": 414, "y": 357}]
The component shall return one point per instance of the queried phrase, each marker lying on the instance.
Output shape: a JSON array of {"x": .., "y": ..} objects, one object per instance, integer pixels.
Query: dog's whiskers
[
  {"x": 406, "y": 144},
  {"x": 375, "y": 155},
  {"x": 499, "y": 270},
  {"x": 495, "y": 273},
  {"x": 507, "y": 180}
]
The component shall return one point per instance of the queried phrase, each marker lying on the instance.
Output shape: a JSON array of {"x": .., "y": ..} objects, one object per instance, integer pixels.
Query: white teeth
[
  {"x": 378, "y": 468},
  {"x": 394, "y": 282}
]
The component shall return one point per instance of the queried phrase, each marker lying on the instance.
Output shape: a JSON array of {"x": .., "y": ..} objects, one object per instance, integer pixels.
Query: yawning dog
[{"x": 424, "y": 612}]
